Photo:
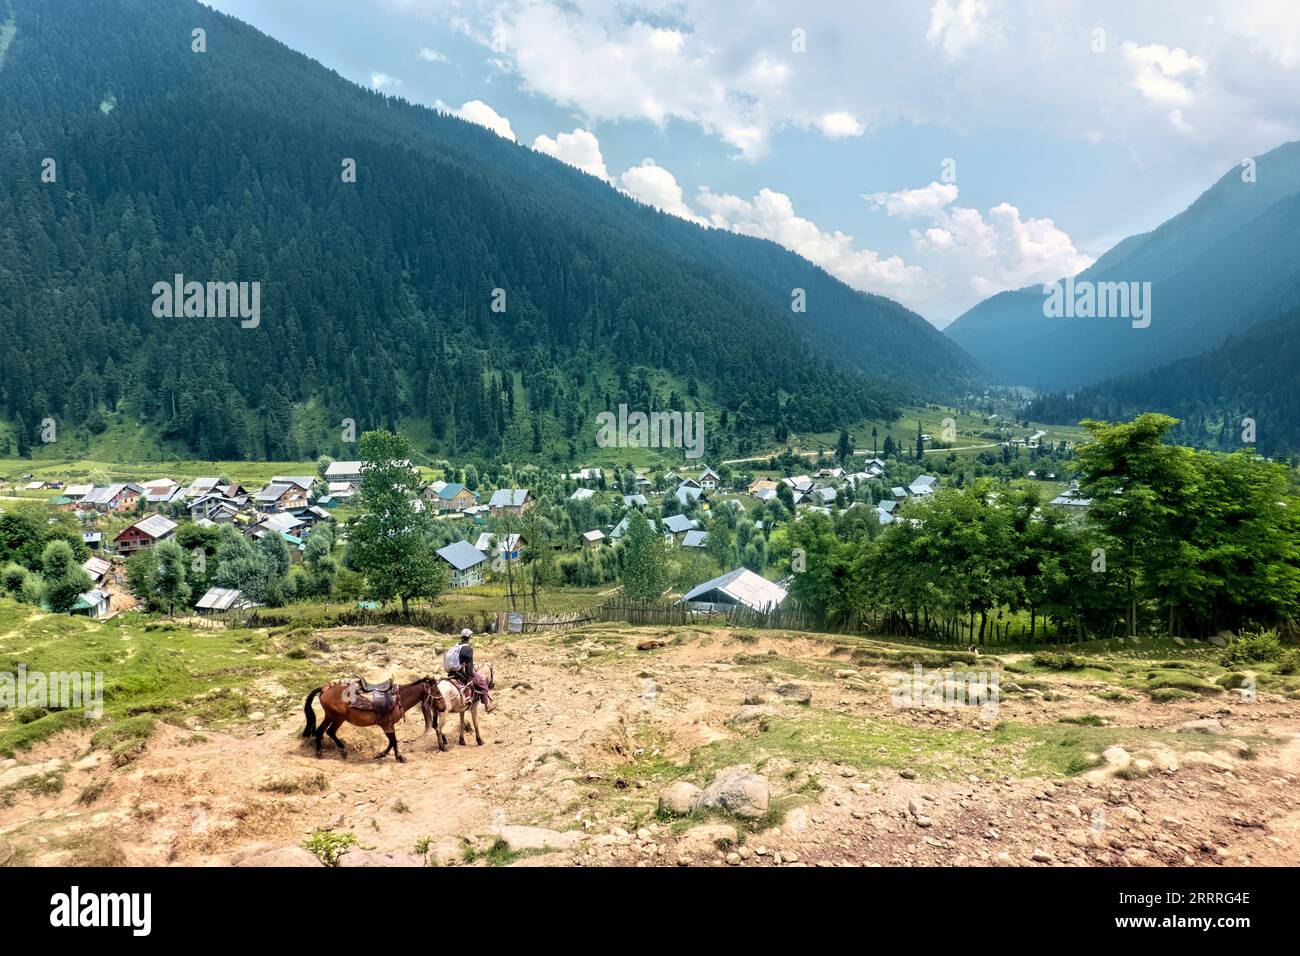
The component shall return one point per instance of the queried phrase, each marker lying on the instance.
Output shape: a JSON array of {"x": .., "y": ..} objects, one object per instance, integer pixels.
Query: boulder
[
  {"x": 796, "y": 692},
  {"x": 706, "y": 837},
  {"x": 376, "y": 858},
  {"x": 1222, "y": 639},
  {"x": 539, "y": 838},
  {"x": 279, "y": 856},
  {"x": 1116, "y": 757},
  {"x": 1208, "y": 725},
  {"x": 681, "y": 798},
  {"x": 739, "y": 791},
  {"x": 446, "y": 854},
  {"x": 752, "y": 712}
]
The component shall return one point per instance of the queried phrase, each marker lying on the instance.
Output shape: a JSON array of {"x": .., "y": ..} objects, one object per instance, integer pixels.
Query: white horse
[{"x": 455, "y": 701}]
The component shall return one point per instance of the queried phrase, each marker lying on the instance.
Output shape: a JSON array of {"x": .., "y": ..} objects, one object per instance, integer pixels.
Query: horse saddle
[{"x": 382, "y": 699}]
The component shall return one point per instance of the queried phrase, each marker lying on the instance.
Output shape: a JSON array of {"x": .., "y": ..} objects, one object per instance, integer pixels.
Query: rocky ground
[{"x": 625, "y": 746}]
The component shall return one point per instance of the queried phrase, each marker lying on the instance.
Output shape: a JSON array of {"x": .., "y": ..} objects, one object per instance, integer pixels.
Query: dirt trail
[{"x": 576, "y": 711}]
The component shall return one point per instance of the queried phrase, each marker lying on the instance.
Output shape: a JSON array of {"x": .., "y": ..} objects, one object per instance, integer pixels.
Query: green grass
[
  {"x": 151, "y": 670},
  {"x": 872, "y": 746}
]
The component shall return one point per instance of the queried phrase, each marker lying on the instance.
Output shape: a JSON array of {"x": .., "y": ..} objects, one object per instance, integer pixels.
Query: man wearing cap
[{"x": 465, "y": 671}]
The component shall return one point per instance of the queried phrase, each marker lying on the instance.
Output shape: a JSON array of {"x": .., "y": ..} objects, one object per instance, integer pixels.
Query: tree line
[{"x": 1176, "y": 541}]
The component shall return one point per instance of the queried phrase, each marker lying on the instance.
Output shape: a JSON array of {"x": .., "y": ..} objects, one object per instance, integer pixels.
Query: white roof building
[{"x": 741, "y": 586}]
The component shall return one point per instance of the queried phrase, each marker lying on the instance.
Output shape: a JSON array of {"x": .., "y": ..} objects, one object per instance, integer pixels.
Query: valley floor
[{"x": 1077, "y": 768}]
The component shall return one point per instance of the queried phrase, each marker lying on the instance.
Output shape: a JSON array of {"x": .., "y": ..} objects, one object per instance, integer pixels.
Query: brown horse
[{"x": 337, "y": 712}]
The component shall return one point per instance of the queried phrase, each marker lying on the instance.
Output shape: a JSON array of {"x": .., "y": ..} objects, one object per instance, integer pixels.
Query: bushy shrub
[
  {"x": 1059, "y": 661},
  {"x": 1258, "y": 647}
]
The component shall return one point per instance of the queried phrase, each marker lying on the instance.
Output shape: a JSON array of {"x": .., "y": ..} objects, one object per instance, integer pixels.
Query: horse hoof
[{"x": 401, "y": 760}]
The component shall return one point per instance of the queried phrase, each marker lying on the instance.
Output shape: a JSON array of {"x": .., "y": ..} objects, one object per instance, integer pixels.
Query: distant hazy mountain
[
  {"x": 1252, "y": 376},
  {"x": 376, "y": 294},
  {"x": 1224, "y": 264}
]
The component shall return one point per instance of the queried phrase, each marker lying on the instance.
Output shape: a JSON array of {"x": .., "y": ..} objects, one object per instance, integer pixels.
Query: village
[{"x": 485, "y": 525}]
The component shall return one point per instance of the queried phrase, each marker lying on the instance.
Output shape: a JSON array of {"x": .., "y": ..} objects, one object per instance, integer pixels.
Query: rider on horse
[{"x": 459, "y": 662}]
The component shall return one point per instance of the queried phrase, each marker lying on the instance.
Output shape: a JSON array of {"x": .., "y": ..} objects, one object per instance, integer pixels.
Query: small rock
[{"x": 1207, "y": 726}]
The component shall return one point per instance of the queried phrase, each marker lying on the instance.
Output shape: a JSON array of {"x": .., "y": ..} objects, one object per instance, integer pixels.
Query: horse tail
[{"x": 311, "y": 714}]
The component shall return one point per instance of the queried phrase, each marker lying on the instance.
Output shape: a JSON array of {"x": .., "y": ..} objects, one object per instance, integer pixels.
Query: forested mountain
[
  {"x": 1225, "y": 263},
  {"x": 1250, "y": 376},
  {"x": 375, "y": 295}
]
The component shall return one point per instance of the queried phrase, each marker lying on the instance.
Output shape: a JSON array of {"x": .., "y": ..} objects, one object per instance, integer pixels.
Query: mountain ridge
[
  {"x": 225, "y": 166},
  {"x": 1206, "y": 287}
]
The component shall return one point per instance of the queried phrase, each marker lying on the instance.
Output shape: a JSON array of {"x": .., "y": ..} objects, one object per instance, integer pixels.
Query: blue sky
[{"x": 935, "y": 151}]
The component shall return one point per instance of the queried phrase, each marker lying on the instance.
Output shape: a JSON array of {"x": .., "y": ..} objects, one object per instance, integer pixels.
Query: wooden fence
[
  {"x": 522, "y": 622},
  {"x": 789, "y": 615}
]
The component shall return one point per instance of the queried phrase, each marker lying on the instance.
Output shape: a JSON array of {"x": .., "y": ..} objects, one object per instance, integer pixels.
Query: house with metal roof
[
  {"x": 510, "y": 501},
  {"x": 117, "y": 498},
  {"x": 923, "y": 486},
  {"x": 741, "y": 586},
  {"x": 453, "y": 496},
  {"x": 145, "y": 533},
  {"x": 95, "y": 604},
  {"x": 678, "y": 525},
  {"x": 509, "y": 546},
  {"x": 467, "y": 563},
  {"x": 343, "y": 471},
  {"x": 224, "y": 599},
  {"x": 695, "y": 539}
]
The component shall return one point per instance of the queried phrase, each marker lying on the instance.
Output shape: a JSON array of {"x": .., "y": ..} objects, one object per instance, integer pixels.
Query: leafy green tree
[
  {"x": 169, "y": 580},
  {"x": 390, "y": 542},
  {"x": 645, "y": 575},
  {"x": 240, "y": 566},
  {"x": 1139, "y": 487},
  {"x": 64, "y": 579}
]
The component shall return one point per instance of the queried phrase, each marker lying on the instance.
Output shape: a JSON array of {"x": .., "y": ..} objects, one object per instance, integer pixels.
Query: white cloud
[
  {"x": 969, "y": 256},
  {"x": 1161, "y": 75},
  {"x": 381, "y": 80},
  {"x": 958, "y": 25},
  {"x": 579, "y": 148},
  {"x": 432, "y": 55},
  {"x": 1232, "y": 70},
  {"x": 839, "y": 125},
  {"x": 658, "y": 187},
  {"x": 476, "y": 111},
  {"x": 771, "y": 215},
  {"x": 910, "y": 203}
]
